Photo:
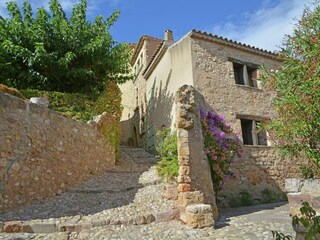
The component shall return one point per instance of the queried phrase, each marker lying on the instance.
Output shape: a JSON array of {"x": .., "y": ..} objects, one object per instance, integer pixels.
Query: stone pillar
[{"x": 196, "y": 195}]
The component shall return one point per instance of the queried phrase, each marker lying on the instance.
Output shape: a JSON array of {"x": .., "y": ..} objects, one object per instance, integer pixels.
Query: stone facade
[
  {"x": 196, "y": 194},
  {"x": 214, "y": 77},
  {"x": 226, "y": 73},
  {"x": 43, "y": 152},
  {"x": 134, "y": 94}
]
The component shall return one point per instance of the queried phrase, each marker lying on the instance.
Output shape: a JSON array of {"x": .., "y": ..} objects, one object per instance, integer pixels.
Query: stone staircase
[{"x": 130, "y": 193}]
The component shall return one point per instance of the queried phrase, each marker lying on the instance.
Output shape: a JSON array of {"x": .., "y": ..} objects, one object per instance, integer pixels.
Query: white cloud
[{"x": 266, "y": 27}]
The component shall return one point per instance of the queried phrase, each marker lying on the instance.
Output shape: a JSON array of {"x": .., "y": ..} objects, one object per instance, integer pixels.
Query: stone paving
[{"x": 128, "y": 203}]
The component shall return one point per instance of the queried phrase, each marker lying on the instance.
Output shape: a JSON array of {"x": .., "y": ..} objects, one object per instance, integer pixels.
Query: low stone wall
[
  {"x": 260, "y": 169},
  {"x": 299, "y": 191},
  {"x": 43, "y": 152},
  {"x": 195, "y": 190},
  {"x": 303, "y": 190}
]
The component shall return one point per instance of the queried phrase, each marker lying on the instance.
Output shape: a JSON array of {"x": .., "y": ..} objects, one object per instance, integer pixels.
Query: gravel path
[{"x": 118, "y": 204}]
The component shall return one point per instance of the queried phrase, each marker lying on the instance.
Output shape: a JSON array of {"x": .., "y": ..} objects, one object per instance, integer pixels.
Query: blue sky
[{"x": 261, "y": 23}]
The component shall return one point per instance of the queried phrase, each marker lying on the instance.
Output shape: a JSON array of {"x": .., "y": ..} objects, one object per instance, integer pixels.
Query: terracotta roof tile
[{"x": 152, "y": 44}]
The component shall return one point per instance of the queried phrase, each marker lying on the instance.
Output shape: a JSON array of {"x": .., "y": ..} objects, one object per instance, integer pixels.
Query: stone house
[{"x": 226, "y": 73}]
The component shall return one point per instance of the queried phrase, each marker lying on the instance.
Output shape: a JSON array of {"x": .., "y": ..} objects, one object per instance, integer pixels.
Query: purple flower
[
  {"x": 213, "y": 129},
  {"x": 210, "y": 114},
  {"x": 226, "y": 176},
  {"x": 220, "y": 118},
  {"x": 221, "y": 134},
  {"x": 202, "y": 113}
]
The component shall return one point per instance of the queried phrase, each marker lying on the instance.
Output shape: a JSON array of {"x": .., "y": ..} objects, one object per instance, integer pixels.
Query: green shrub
[
  {"x": 110, "y": 101},
  {"x": 308, "y": 219},
  {"x": 269, "y": 196},
  {"x": 74, "y": 105},
  {"x": 167, "y": 149},
  {"x": 244, "y": 198}
]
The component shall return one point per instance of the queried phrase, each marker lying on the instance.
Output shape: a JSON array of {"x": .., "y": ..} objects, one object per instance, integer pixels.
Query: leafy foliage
[
  {"x": 222, "y": 147},
  {"x": 269, "y": 196},
  {"x": 244, "y": 198},
  {"x": 168, "y": 167},
  {"x": 297, "y": 83},
  {"x": 309, "y": 220},
  {"x": 281, "y": 236},
  {"x": 110, "y": 101},
  {"x": 74, "y": 105},
  {"x": 51, "y": 52}
]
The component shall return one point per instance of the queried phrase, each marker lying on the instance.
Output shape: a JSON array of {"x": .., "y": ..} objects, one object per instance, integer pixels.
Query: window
[
  {"x": 245, "y": 74},
  {"x": 251, "y": 134}
]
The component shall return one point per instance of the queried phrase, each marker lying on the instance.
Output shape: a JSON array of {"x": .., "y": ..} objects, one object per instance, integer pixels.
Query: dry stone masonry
[
  {"x": 196, "y": 194},
  {"x": 43, "y": 152}
]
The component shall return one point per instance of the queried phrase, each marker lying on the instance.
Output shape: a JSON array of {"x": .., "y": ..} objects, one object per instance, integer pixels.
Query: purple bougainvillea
[{"x": 221, "y": 146}]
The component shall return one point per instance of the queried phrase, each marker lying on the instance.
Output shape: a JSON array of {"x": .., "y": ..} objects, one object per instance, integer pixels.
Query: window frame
[
  {"x": 244, "y": 76},
  {"x": 255, "y": 138}
]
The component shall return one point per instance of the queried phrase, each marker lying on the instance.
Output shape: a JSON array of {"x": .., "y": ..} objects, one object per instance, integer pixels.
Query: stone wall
[
  {"x": 302, "y": 190},
  {"x": 43, "y": 152},
  {"x": 195, "y": 189},
  {"x": 299, "y": 191},
  {"x": 214, "y": 78},
  {"x": 260, "y": 168}
]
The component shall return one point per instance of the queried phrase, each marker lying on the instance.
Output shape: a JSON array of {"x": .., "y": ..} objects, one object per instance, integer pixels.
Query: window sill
[
  {"x": 258, "y": 146},
  {"x": 249, "y": 87}
]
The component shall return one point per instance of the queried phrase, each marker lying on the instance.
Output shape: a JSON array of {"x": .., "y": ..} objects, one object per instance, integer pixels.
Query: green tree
[
  {"x": 297, "y": 83},
  {"x": 53, "y": 52}
]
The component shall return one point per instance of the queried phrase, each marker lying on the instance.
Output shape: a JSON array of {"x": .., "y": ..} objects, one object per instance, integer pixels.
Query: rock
[
  {"x": 13, "y": 227},
  {"x": 100, "y": 223},
  {"x": 40, "y": 101},
  {"x": 140, "y": 220},
  {"x": 311, "y": 186},
  {"x": 198, "y": 208},
  {"x": 43, "y": 227},
  {"x": 150, "y": 218},
  {"x": 172, "y": 214},
  {"x": 293, "y": 185},
  {"x": 171, "y": 192}
]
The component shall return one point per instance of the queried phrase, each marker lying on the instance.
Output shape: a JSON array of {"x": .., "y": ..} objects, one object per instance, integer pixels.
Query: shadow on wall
[
  {"x": 164, "y": 100},
  {"x": 144, "y": 123}
]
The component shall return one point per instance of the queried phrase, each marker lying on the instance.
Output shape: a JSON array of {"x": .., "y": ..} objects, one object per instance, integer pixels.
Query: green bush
[
  {"x": 74, "y": 105},
  {"x": 244, "y": 198},
  {"x": 308, "y": 219},
  {"x": 269, "y": 196},
  {"x": 167, "y": 149}
]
